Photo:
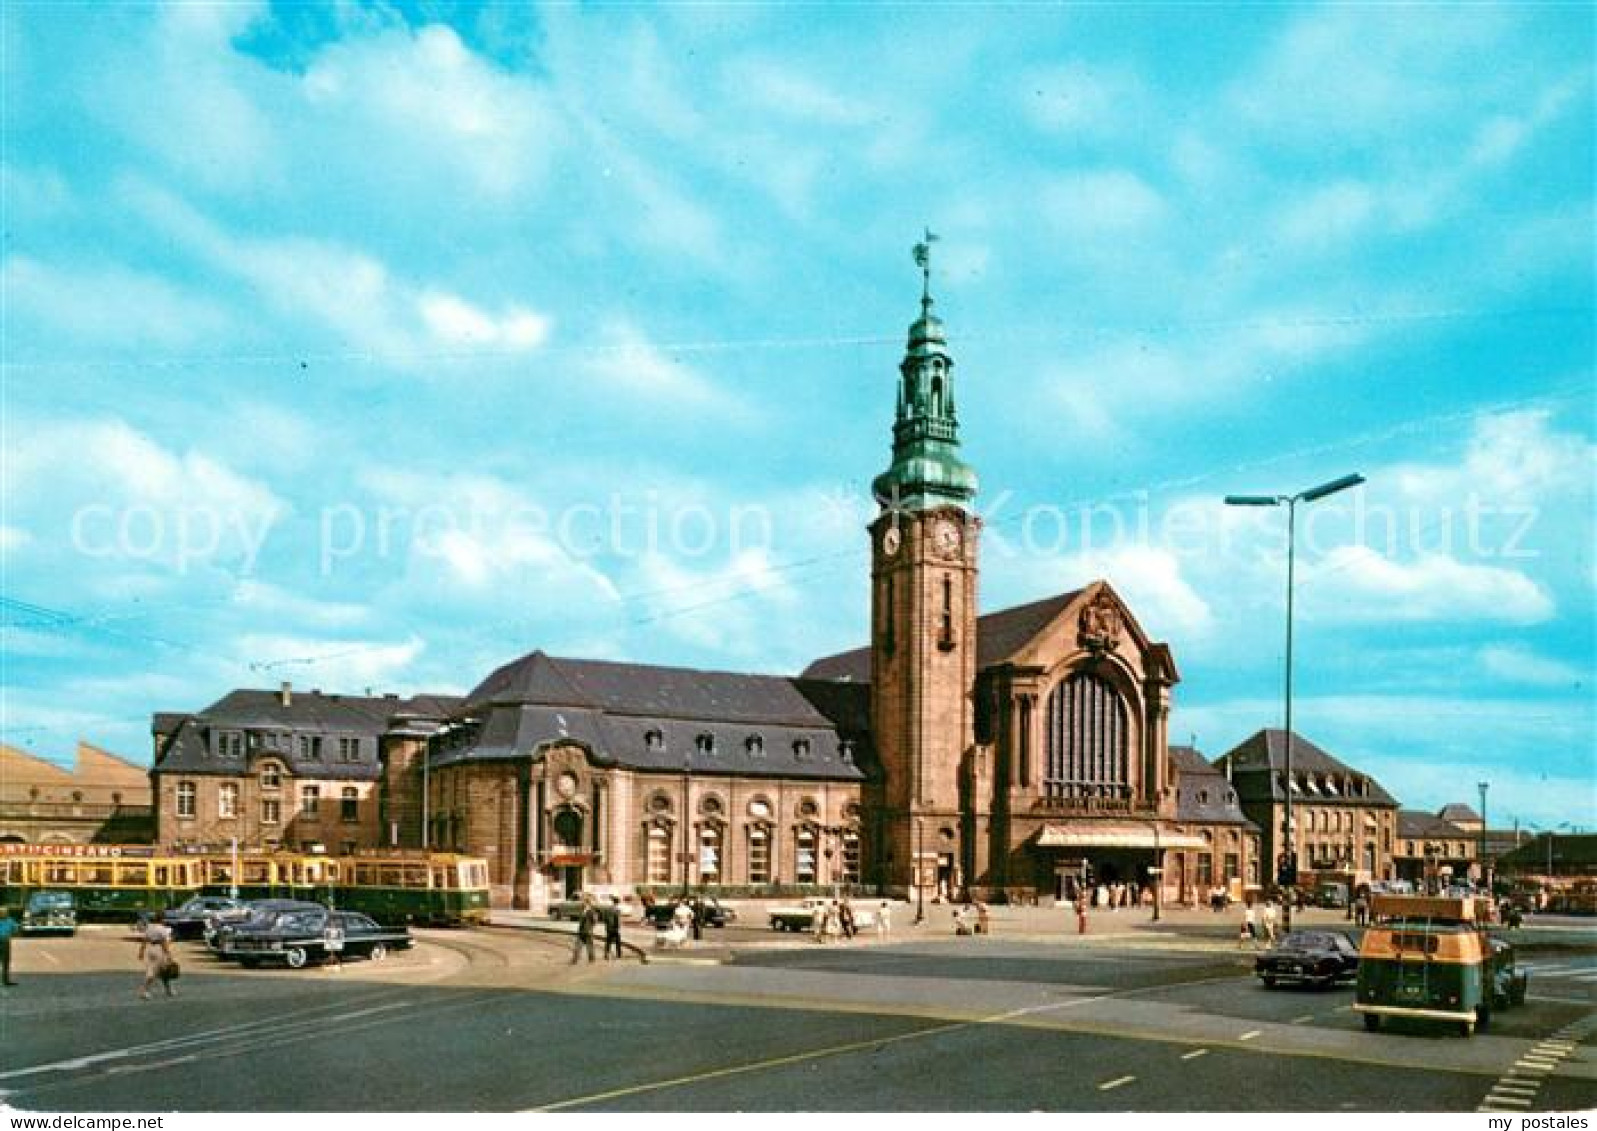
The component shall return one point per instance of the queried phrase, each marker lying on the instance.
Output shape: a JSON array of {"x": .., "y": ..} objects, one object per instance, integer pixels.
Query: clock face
[
  {"x": 891, "y": 540},
  {"x": 945, "y": 538}
]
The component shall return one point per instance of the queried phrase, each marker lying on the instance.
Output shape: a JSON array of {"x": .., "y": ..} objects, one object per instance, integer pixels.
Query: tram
[{"x": 125, "y": 881}]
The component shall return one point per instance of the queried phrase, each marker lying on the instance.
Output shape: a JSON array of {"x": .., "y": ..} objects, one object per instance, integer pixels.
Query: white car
[{"x": 801, "y": 916}]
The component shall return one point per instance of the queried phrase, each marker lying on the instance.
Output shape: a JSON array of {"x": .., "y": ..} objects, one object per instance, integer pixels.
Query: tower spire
[{"x": 926, "y": 470}]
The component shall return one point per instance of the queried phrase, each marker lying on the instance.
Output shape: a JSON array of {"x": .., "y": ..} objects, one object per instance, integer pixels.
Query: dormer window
[
  {"x": 801, "y": 750},
  {"x": 754, "y": 746},
  {"x": 845, "y": 750},
  {"x": 271, "y": 777},
  {"x": 705, "y": 744},
  {"x": 654, "y": 742},
  {"x": 1203, "y": 797}
]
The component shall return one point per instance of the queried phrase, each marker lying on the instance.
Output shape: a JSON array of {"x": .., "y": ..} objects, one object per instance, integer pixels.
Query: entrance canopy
[{"x": 1113, "y": 834}]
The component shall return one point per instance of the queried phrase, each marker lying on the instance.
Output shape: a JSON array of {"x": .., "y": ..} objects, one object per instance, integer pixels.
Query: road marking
[
  {"x": 1592, "y": 977},
  {"x": 1515, "y": 1086},
  {"x": 1194, "y": 1054},
  {"x": 1104, "y": 1087},
  {"x": 1304, "y": 1020},
  {"x": 1250, "y": 1034},
  {"x": 1544, "y": 970},
  {"x": 1515, "y": 1101}
]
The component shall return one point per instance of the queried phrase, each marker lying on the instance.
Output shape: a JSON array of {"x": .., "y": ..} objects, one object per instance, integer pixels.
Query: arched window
[
  {"x": 1087, "y": 740},
  {"x": 657, "y": 854},
  {"x": 568, "y": 830},
  {"x": 759, "y": 854},
  {"x": 804, "y": 870},
  {"x": 710, "y": 854}
]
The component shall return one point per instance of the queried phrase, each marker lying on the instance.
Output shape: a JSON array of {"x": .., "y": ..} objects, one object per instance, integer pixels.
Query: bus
[{"x": 125, "y": 881}]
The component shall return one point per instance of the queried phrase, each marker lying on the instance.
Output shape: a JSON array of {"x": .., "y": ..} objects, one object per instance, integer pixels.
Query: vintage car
[
  {"x": 572, "y": 908},
  {"x": 50, "y": 912},
  {"x": 299, "y": 938},
  {"x": 1431, "y": 959},
  {"x": 715, "y": 913},
  {"x": 219, "y": 930},
  {"x": 1314, "y": 958},
  {"x": 801, "y": 916},
  {"x": 190, "y": 919}
]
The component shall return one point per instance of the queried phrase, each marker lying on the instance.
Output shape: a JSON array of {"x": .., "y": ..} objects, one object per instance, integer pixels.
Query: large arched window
[{"x": 1087, "y": 740}]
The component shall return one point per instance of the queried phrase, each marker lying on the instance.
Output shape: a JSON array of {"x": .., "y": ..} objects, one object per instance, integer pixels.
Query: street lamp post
[
  {"x": 1486, "y": 879},
  {"x": 1288, "y": 872},
  {"x": 1157, "y": 870}
]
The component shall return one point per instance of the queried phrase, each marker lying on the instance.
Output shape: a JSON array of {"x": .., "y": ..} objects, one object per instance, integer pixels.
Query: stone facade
[
  {"x": 1345, "y": 823},
  {"x": 104, "y": 799}
]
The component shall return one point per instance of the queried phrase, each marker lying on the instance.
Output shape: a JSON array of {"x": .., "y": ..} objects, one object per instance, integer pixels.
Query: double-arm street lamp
[{"x": 1287, "y": 874}]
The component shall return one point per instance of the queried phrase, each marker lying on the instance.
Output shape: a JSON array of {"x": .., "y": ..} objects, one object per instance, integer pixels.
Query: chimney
[{"x": 285, "y": 693}]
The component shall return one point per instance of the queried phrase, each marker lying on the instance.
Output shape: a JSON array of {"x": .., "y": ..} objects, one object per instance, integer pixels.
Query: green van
[{"x": 1432, "y": 959}]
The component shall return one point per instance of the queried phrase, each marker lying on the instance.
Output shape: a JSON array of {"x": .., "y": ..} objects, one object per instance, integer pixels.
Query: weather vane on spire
[{"x": 923, "y": 259}]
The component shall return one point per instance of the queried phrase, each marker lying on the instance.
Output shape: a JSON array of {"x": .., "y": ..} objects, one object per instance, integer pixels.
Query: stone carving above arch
[{"x": 1101, "y": 625}]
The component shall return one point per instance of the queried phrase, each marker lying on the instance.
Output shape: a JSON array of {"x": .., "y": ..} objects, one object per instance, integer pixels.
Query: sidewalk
[{"x": 1183, "y": 928}]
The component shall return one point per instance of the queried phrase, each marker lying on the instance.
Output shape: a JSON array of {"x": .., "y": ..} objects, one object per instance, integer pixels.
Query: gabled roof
[
  {"x": 999, "y": 635},
  {"x": 651, "y": 717},
  {"x": 1417, "y": 824},
  {"x": 1258, "y": 762},
  {"x": 1203, "y": 795},
  {"x": 1457, "y": 812}
]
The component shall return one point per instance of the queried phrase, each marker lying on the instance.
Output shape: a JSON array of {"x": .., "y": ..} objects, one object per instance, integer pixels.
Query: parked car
[
  {"x": 716, "y": 913},
  {"x": 299, "y": 938},
  {"x": 189, "y": 920},
  {"x": 572, "y": 908},
  {"x": 218, "y": 930},
  {"x": 1316, "y": 958},
  {"x": 801, "y": 916},
  {"x": 1333, "y": 895},
  {"x": 50, "y": 912}
]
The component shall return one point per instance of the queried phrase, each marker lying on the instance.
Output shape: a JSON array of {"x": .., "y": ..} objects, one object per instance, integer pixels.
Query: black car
[
  {"x": 1316, "y": 958},
  {"x": 190, "y": 920},
  {"x": 298, "y": 938},
  {"x": 219, "y": 929},
  {"x": 714, "y": 913}
]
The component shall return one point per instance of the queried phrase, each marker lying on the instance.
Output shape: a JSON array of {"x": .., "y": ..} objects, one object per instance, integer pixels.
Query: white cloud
[
  {"x": 1515, "y": 664},
  {"x": 1149, "y": 578},
  {"x": 1328, "y": 217},
  {"x": 452, "y": 319},
  {"x": 110, "y": 491},
  {"x": 1431, "y": 587},
  {"x": 728, "y": 607},
  {"x": 351, "y": 665},
  {"x": 105, "y": 305},
  {"x": 1082, "y": 99},
  {"x": 1101, "y": 203},
  {"x": 349, "y": 291},
  {"x": 629, "y": 362},
  {"x": 265, "y": 602}
]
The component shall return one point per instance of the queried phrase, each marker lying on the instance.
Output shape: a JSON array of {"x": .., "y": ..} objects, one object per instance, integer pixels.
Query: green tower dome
[{"x": 926, "y": 470}]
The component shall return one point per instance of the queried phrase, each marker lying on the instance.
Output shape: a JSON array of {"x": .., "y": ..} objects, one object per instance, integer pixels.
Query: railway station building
[{"x": 1005, "y": 755}]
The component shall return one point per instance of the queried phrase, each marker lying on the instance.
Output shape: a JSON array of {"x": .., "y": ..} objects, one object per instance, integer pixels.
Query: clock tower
[{"x": 923, "y": 618}]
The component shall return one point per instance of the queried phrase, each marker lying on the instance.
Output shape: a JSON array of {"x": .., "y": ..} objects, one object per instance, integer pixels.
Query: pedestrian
[
  {"x": 1270, "y": 916},
  {"x": 586, "y": 922},
  {"x": 1249, "y": 932},
  {"x": 612, "y": 929},
  {"x": 333, "y": 940},
  {"x": 8, "y": 928},
  {"x": 884, "y": 919},
  {"x": 984, "y": 924},
  {"x": 1081, "y": 914},
  {"x": 822, "y": 914},
  {"x": 834, "y": 922},
  {"x": 155, "y": 952},
  {"x": 845, "y": 918},
  {"x": 961, "y": 927},
  {"x": 682, "y": 919},
  {"x": 698, "y": 920}
]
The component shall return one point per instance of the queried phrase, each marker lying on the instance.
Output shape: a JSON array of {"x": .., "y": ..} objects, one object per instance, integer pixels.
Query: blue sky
[{"x": 371, "y": 346}]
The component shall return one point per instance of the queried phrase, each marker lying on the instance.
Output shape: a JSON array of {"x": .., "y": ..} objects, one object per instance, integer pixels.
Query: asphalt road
[{"x": 496, "y": 1020}]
